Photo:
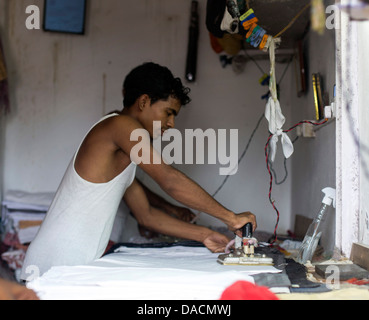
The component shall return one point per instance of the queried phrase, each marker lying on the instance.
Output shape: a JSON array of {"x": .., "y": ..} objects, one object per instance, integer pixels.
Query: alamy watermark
[
  {"x": 332, "y": 21},
  {"x": 33, "y": 20},
  {"x": 222, "y": 147},
  {"x": 333, "y": 277}
]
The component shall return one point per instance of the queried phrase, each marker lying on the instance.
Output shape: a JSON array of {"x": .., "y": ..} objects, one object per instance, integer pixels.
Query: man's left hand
[{"x": 216, "y": 242}]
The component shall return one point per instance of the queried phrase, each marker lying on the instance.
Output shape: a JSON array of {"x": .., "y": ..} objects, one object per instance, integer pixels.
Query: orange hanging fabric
[{"x": 3, "y": 74}]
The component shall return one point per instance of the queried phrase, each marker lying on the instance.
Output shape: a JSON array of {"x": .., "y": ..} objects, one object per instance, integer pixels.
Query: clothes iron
[{"x": 244, "y": 252}]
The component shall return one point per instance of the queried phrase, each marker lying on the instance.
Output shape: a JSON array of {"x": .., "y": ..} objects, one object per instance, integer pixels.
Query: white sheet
[
  {"x": 175, "y": 273},
  {"x": 19, "y": 198}
]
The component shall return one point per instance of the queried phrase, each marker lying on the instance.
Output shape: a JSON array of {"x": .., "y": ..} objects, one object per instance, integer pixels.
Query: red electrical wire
[{"x": 271, "y": 175}]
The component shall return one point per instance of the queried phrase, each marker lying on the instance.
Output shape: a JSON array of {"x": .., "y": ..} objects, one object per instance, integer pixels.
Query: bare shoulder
[
  {"x": 110, "y": 134},
  {"x": 122, "y": 122},
  {"x": 117, "y": 127},
  {"x": 108, "y": 143},
  {"x": 119, "y": 130}
]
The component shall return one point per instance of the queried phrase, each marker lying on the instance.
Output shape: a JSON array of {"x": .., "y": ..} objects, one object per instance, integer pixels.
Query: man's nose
[{"x": 171, "y": 122}]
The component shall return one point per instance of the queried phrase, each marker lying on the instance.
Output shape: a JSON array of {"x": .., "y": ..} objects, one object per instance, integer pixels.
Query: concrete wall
[
  {"x": 62, "y": 84},
  {"x": 313, "y": 165},
  {"x": 352, "y": 138},
  {"x": 363, "y": 50}
]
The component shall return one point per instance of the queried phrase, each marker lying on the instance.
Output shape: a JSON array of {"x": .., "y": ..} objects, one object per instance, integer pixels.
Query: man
[{"x": 77, "y": 228}]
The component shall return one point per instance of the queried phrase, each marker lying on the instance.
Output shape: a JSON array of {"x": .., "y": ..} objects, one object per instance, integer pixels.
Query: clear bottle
[{"x": 315, "y": 230}]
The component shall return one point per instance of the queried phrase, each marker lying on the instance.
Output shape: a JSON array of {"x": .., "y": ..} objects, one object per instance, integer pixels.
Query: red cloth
[
  {"x": 243, "y": 290},
  {"x": 109, "y": 246},
  {"x": 216, "y": 46}
]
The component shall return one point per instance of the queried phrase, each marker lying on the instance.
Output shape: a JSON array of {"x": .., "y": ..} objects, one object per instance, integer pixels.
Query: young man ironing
[{"x": 78, "y": 225}]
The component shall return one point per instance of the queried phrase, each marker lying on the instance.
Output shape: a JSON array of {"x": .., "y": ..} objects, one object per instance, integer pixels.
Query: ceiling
[{"x": 275, "y": 15}]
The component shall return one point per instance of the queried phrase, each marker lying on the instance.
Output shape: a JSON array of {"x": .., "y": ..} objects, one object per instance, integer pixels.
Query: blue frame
[{"x": 65, "y": 16}]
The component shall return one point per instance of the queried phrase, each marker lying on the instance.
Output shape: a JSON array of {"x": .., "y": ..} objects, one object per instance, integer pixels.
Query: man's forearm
[
  {"x": 154, "y": 199},
  {"x": 190, "y": 194},
  {"x": 161, "y": 223}
]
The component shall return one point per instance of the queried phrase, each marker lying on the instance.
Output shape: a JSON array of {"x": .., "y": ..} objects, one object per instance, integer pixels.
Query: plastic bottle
[{"x": 315, "y": 230}]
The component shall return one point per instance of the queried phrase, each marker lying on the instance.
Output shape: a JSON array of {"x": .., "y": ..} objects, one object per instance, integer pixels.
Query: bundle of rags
[{"x": 4, "y": 92}]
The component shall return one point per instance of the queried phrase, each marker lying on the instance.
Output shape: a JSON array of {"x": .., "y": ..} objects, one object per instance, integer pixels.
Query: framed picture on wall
[{"x": 66, "y": 16}]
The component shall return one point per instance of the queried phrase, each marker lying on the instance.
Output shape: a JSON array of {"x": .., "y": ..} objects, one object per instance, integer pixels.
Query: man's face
[{"x": 163, "y": 111}]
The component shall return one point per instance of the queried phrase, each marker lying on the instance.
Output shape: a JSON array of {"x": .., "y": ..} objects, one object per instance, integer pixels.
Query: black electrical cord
[
  {"x": 272, "y": 202},
  {"x": 243, "y": 154},
  {"x": 257, "y": 125}
]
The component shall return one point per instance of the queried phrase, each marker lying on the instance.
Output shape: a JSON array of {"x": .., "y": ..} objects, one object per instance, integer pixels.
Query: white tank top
[{"x": 79, "y": 223}]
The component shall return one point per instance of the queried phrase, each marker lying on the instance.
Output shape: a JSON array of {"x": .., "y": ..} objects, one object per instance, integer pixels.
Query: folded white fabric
[
  {"x": 41, "y": 200},
  {"x": 27, "y": 234}
]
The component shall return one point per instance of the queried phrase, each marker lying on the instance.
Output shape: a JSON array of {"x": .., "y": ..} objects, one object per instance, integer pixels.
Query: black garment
[
  {"x": 300, "y": 284},
  {"x": 182, "y": 243},
  {"x": 214, "y": 17}
]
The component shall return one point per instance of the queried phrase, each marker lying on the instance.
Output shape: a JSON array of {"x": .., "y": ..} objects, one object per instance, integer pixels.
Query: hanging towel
[{"x": 274, "y": 115}]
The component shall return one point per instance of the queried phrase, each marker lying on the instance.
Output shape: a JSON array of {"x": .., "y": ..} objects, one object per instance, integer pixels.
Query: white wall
[
  {"x": 314, "y": 162},
  {"x": 363, "y": 51},
  {"x": 333, "y": 158},
  {"x": 352, "y": 138},
  {"x": 61, "y": 84}
]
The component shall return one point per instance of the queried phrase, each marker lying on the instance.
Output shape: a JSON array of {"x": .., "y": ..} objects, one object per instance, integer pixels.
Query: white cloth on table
[{"x": 174, "y": 273}]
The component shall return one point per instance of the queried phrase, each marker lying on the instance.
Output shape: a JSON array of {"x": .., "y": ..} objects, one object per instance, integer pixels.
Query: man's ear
[{"x": 144, "y": 101}]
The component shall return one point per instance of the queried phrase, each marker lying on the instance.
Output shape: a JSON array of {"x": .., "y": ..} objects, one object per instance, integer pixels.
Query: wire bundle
[{"x": 271, "y": 174}]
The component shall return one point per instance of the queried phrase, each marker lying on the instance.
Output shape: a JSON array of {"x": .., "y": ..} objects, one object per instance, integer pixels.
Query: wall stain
[
  {"x": 55, "y": 57},
  {"x": 55, "y": 62}
]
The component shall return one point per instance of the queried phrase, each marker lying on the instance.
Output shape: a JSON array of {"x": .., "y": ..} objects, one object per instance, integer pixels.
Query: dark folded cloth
[
  {"x": 184, "y": 243},
  {"x": 214, "y": 16}
]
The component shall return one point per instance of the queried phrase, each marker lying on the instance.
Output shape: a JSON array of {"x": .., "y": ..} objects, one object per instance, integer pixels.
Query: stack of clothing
[{"x": 21, "y": 217}]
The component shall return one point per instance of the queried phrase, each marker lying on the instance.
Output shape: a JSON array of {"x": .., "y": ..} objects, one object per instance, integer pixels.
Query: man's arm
[
  {"x": 158, "y": 221},
  {"x": 175, "y": 183},
  {"x": 156, "y": 201},
  {"x": 190, "y": 194}
]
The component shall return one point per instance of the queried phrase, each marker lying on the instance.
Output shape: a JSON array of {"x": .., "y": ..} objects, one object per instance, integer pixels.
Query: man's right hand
[{"x": 241, "y": 220}]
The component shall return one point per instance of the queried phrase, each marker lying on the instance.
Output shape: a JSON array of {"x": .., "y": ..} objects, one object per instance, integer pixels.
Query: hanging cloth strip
[
  {"x": 3, "y": 74},
  {"x": 274, "y": 115},
  {"x": 4, "y": 94}
]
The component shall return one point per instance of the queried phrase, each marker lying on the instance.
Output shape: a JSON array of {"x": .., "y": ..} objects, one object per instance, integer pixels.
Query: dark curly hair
[{"x": 157, "y": 82}]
